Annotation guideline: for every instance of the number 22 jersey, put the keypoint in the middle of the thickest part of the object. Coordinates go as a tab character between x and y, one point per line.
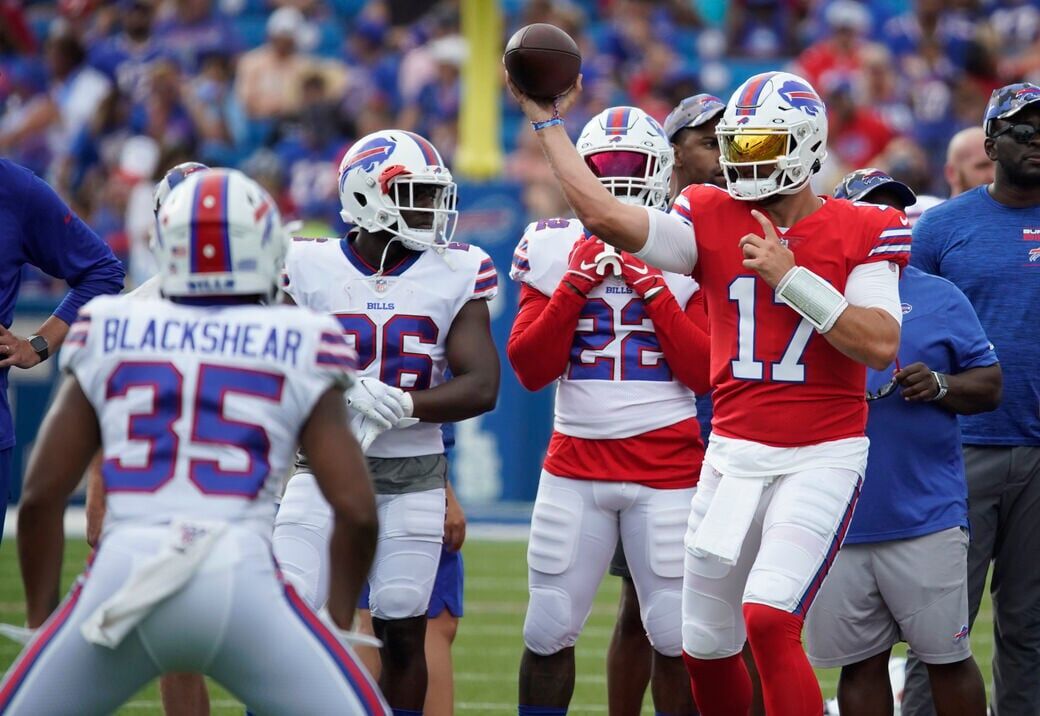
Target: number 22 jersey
397	321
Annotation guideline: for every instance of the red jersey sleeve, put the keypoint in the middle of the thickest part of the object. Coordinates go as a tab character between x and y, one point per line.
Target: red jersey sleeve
887	236
683	335
543	330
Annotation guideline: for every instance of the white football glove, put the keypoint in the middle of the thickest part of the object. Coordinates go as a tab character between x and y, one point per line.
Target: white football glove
384	404
367	429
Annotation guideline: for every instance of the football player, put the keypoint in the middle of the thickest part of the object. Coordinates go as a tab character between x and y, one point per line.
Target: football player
801	294
414	305
181	693
626	344
198	403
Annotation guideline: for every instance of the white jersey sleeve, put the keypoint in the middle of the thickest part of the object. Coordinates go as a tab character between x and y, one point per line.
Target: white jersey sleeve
541	256
670	243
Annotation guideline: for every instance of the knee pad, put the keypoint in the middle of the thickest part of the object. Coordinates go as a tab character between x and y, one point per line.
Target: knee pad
549	625
712	628
702	642
398	599
662	617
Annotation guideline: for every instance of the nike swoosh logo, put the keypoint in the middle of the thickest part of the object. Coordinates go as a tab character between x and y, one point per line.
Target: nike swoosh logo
586	266
643	270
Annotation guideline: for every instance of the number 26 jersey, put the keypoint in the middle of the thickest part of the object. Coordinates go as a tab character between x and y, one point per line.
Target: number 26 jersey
397	321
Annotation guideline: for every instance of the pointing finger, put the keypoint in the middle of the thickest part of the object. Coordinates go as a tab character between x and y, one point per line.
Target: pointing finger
765	223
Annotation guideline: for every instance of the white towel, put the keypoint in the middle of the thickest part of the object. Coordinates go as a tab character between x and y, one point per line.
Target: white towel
188	544
722	531
20	635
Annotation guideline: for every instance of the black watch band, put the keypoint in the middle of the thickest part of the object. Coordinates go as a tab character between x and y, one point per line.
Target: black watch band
39	344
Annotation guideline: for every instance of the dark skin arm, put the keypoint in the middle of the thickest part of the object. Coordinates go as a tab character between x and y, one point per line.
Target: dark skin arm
339	467
58	461
473	388
976	390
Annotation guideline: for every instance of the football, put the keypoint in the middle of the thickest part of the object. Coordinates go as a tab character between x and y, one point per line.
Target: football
543	61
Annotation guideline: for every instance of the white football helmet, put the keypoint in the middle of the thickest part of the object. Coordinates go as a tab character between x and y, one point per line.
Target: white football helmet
219	234
385	175
772	136
628	151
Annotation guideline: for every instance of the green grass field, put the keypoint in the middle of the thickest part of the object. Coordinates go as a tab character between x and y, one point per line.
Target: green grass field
487	650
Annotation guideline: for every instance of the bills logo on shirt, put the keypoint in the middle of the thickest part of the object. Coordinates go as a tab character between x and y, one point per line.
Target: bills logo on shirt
1034	255
1031	234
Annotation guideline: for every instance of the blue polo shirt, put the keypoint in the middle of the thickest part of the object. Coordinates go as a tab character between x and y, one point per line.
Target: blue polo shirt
915	471
36	227
992	253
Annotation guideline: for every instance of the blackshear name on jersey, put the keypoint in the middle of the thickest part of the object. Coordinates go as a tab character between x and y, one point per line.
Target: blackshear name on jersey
617	382
200	408
397	320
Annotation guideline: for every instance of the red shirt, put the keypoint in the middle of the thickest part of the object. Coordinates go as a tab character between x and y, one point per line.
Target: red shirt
777	381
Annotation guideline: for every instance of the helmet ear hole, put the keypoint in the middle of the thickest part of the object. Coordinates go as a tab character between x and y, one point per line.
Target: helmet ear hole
360	198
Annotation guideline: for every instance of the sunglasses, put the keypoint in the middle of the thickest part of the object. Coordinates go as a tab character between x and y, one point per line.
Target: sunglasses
1021	133
887	389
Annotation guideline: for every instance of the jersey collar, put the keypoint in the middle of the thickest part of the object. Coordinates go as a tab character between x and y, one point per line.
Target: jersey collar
355	258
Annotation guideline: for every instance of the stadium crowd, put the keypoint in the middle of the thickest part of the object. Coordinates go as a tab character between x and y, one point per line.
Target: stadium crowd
101	98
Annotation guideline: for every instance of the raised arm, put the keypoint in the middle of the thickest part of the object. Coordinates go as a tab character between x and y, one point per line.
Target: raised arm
620	225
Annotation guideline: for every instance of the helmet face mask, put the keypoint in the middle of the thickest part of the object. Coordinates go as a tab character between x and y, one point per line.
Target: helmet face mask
772	136
628	152
382	188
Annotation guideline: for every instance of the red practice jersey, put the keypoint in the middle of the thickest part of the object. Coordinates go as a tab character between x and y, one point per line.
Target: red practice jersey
777	381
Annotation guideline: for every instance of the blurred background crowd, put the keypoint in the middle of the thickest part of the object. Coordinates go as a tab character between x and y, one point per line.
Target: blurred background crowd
100	98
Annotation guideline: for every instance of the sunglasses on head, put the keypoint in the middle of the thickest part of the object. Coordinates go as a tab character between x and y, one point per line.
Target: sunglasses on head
1021	133
887	389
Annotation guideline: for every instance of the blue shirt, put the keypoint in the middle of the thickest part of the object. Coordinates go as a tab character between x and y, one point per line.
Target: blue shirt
992	253
915	471
36	227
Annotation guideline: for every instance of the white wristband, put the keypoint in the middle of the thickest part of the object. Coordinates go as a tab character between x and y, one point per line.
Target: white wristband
811	297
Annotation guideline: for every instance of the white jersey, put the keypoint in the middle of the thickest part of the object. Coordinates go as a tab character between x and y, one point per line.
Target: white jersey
397	321
617	383
200	407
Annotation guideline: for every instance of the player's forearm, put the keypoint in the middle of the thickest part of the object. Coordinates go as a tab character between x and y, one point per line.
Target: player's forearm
351	550
977	390
685	345
540	342
464	396
618	224
54	331
867	335
41	542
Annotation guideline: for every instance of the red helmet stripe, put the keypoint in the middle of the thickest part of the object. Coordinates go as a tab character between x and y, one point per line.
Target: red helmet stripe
749	97
210	242
428	152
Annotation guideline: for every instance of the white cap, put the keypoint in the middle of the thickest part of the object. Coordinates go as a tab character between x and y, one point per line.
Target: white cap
848	13
286	21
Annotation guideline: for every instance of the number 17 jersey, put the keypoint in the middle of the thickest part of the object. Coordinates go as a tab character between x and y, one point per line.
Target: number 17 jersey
777	381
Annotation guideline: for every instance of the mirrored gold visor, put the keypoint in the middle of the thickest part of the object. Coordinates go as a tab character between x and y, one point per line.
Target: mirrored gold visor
756	145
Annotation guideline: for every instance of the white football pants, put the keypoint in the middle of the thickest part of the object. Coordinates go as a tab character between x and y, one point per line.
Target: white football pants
234	620
797	530
411	530
574	531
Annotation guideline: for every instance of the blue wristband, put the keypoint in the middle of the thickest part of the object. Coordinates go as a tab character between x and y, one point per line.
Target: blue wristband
538	126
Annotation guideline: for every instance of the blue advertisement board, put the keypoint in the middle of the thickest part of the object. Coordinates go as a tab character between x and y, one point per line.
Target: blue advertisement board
498	456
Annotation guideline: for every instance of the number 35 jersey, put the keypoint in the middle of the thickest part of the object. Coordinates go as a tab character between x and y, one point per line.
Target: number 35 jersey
617	383
397	321
201	408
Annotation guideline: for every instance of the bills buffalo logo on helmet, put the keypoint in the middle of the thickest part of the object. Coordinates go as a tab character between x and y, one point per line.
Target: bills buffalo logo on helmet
801	96
1027	93
371	154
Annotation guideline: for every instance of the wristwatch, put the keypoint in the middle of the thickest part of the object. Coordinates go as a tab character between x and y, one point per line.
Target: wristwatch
39	344
944	387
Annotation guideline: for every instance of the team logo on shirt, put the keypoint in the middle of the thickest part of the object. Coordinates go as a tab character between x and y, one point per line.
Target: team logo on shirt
1034	255
1031	234
906	308
962	634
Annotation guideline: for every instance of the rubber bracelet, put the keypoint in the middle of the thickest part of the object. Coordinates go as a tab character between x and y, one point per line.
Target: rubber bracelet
552	122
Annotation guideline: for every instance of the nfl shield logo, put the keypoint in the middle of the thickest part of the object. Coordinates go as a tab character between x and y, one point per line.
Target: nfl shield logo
381	284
